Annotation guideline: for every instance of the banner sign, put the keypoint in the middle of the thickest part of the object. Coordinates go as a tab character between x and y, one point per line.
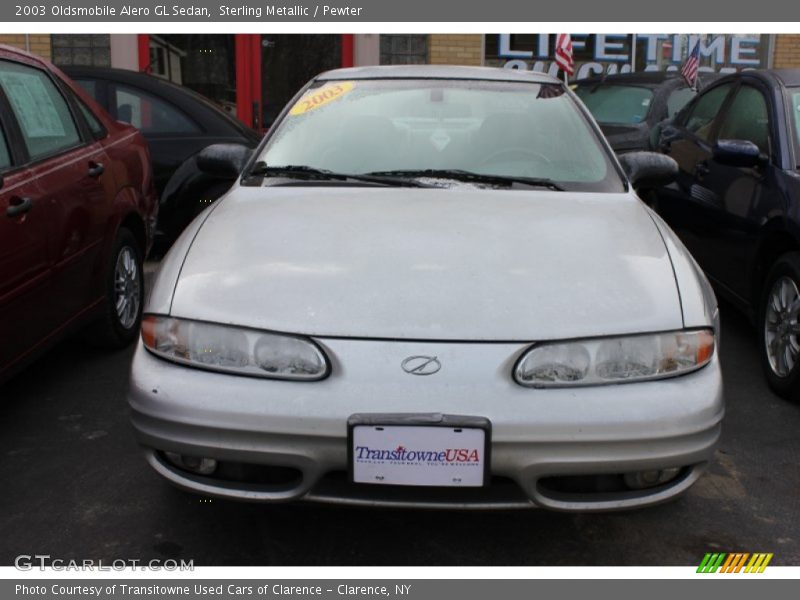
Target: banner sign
212	11
596	54
728	587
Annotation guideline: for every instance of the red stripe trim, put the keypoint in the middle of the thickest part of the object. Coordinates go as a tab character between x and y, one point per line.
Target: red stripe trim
143	41
348	50
248	78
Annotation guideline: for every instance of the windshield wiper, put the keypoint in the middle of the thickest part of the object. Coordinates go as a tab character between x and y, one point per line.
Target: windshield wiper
469	176
262	169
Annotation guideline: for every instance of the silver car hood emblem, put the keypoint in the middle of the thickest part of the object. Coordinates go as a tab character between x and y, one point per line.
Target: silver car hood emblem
421	365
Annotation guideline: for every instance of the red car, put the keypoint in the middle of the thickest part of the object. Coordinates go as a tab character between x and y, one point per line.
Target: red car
77	214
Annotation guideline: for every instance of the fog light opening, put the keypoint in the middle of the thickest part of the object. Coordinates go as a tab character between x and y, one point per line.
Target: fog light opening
646	479
194	464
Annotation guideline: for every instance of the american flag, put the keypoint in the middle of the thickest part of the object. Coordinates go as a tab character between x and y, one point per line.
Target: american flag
690	67
564	58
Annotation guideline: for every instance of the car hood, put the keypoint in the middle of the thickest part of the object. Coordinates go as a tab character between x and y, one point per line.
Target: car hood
445	264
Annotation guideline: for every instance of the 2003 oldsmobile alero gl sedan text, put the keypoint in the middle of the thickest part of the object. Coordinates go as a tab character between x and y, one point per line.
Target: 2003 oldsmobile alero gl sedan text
432	287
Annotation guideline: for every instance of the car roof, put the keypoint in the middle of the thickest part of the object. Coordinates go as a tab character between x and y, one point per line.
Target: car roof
173	92
437	72
143	80
648	78
772	77
788	77
18	55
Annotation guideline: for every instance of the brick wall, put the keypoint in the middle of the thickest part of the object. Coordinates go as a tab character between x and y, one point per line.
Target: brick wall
787	51
37	43
455	49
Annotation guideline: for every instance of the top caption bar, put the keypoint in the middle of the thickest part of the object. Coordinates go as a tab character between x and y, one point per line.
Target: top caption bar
401	11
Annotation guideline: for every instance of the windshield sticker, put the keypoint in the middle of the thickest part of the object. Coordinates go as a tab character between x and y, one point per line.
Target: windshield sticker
440	139
34	108
321	96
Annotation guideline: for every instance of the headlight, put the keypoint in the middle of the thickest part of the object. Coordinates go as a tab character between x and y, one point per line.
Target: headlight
234	349
615	359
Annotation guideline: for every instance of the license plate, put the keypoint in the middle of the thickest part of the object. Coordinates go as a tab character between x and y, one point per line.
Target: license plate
419	455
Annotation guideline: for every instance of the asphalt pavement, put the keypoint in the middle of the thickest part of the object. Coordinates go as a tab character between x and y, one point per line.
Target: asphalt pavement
76	487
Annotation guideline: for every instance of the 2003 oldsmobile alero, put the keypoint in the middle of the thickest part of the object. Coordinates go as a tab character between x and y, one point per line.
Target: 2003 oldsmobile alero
431	287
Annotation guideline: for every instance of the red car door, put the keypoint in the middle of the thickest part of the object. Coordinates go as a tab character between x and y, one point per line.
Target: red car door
65	193
80	189
24	259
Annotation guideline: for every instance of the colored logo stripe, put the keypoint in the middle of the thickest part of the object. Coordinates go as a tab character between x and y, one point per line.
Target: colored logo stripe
734	562
758	563
711	562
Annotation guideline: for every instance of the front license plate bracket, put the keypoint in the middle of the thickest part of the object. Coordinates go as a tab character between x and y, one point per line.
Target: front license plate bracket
419	449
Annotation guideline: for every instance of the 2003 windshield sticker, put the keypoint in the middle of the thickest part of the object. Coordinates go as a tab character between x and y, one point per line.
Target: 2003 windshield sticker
321	96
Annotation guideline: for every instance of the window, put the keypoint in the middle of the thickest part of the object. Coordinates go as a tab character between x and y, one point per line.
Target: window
150	114
43	115
678	99
89	86
794	98
747	119
95	126
622	104
702	114
81	50
404	49
5	155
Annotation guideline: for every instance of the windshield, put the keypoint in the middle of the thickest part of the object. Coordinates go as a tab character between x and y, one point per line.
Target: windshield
391	126
616	104
794	96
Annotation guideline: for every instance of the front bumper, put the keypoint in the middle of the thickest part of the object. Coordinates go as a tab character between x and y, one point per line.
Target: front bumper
538	435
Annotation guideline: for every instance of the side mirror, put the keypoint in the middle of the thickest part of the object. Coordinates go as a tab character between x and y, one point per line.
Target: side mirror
663	134
648	169
224	161
738	153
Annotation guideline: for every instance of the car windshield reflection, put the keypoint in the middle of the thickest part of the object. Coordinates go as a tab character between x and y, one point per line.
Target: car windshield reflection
486	128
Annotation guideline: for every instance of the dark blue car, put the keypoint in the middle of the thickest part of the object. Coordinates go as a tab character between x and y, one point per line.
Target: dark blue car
736	204
630	106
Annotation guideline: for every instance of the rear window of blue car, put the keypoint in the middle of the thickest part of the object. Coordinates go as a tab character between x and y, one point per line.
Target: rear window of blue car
616	104
678	99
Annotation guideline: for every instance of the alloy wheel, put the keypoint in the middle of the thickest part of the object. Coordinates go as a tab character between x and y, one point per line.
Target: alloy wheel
781	327
126	287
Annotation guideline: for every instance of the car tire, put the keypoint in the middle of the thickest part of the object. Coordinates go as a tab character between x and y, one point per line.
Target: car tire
118	325
779	327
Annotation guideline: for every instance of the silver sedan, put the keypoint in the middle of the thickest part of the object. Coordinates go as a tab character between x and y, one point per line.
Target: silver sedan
431	287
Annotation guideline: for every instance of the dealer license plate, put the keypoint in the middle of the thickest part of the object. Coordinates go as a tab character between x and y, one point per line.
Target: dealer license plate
422	455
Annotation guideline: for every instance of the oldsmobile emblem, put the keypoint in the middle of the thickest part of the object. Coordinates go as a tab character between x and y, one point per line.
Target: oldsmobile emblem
421	365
